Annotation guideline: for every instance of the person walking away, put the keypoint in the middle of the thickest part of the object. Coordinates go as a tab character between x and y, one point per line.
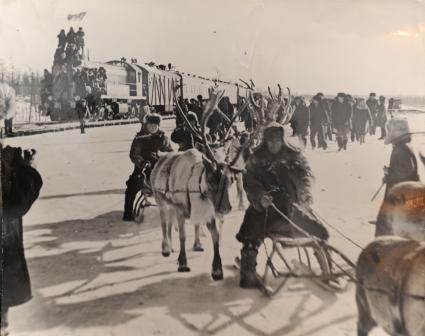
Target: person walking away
372	104
318	119
302	119
381	117
144	153
20	186
341	116
276	174
361	120
403	166
7	107
81	109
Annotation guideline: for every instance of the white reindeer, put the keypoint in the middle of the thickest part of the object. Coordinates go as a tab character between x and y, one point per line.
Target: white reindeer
191	185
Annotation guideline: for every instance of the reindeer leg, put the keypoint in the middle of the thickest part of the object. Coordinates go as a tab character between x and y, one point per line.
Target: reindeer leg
182	260
166	249
197	246
217	269
365	323
171	218
239	187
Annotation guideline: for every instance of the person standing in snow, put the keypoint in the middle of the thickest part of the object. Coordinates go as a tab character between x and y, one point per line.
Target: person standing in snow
341	117
403	166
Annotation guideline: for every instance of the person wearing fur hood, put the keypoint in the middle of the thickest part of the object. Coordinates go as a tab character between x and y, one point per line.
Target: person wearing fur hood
279	174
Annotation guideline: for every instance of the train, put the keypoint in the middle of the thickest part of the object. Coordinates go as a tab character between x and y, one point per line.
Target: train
128	86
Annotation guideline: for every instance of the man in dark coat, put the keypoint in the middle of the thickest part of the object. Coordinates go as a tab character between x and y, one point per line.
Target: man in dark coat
71	37
403	166
80	40
381	117
183	136
20	184
276	173
341	117
81	109
326	106
372	104
62	39
144	154
318	119
301	118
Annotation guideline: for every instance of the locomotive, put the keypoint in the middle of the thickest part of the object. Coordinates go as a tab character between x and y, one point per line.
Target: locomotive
127	86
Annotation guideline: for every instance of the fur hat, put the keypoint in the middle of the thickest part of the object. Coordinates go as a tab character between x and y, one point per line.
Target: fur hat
381	98
397	129
153	118
340	94
273	130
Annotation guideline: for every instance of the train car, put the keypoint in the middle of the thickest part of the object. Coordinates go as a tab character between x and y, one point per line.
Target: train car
195	85
118	89
159	85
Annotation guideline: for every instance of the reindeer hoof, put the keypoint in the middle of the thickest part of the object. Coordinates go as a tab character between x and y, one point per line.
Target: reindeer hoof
165	253
217	275
197	248
184	268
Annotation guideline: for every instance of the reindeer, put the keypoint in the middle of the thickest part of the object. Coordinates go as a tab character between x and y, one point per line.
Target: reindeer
390	291
195	186
404	211
391	270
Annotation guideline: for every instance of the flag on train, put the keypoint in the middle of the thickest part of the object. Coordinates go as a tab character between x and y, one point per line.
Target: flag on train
76	17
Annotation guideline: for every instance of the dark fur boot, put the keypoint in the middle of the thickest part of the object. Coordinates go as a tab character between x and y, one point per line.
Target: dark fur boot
248	273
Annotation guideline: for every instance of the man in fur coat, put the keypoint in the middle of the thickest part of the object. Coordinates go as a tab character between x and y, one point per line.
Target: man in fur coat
276	173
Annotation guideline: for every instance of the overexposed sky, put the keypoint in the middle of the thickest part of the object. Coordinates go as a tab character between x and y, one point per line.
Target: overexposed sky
354	46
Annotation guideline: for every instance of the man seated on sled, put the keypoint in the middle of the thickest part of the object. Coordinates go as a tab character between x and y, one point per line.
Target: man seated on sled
144	154
276	173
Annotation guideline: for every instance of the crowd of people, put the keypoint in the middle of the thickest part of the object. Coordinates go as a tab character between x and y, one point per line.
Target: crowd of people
70	50
344	116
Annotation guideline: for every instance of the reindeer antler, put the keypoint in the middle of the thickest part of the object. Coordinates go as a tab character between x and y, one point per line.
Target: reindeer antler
184	117
210	108
271	94
288	111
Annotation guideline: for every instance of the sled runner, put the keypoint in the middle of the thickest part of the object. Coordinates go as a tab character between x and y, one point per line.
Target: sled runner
142	200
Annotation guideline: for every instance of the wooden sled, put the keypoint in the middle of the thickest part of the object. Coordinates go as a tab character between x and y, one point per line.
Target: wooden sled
314	259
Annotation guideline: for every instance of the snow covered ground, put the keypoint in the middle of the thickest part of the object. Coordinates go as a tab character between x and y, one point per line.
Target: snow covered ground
93	274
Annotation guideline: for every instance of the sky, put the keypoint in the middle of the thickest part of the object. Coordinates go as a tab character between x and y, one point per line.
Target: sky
354	46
